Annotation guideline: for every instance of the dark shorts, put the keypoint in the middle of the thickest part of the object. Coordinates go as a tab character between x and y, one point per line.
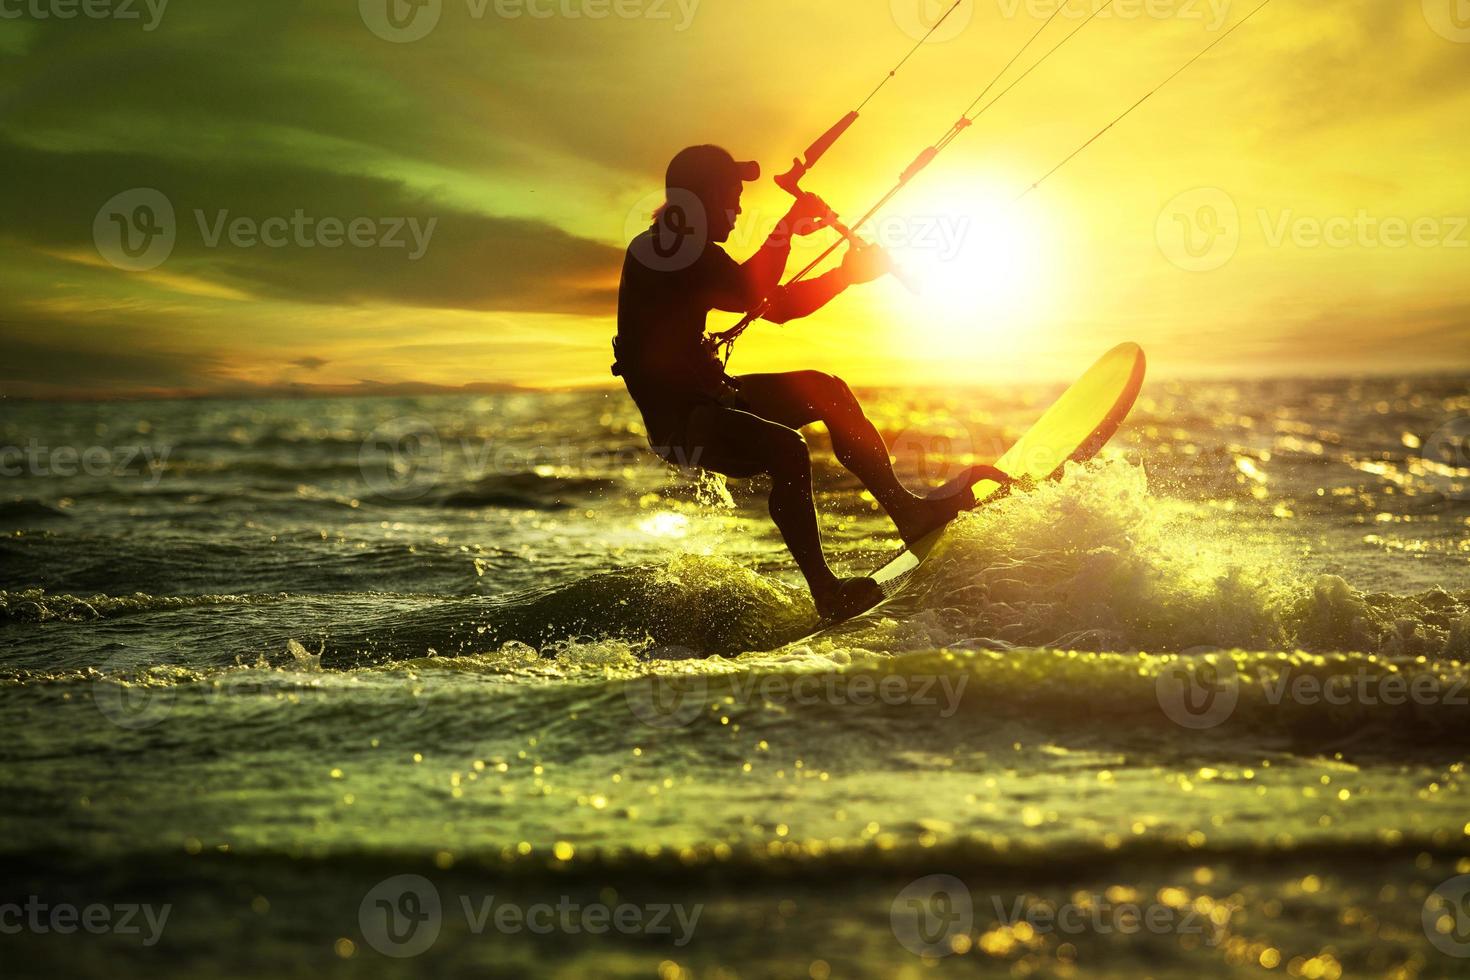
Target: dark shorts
735	446
666	417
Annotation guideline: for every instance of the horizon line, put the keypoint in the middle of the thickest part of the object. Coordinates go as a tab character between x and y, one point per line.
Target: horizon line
424	389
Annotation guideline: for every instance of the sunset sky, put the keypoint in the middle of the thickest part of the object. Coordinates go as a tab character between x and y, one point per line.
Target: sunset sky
1294	203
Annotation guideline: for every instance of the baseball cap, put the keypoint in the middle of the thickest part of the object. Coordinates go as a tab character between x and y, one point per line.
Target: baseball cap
697	167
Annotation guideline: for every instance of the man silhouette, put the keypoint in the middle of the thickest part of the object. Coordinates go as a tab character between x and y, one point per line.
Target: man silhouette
674	274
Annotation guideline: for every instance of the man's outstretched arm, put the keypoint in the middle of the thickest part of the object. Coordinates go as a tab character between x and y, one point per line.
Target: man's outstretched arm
761	273
804	298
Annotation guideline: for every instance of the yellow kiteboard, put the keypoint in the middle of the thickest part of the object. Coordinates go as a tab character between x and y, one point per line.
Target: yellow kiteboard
1076	426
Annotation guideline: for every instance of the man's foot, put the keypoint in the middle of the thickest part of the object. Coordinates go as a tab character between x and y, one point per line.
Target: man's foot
927	515
942	505
849	597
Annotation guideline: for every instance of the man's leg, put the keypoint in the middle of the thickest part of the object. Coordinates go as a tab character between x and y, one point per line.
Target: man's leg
799	398
740	444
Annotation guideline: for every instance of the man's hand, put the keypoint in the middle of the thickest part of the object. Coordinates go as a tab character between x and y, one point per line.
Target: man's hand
809	214
865	263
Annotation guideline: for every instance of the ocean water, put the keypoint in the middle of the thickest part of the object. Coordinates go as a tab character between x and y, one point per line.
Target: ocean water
338	682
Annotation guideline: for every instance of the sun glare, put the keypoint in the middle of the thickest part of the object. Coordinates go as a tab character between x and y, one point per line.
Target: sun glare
977	259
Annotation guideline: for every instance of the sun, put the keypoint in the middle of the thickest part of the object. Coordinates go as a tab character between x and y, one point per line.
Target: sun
976	258
981	255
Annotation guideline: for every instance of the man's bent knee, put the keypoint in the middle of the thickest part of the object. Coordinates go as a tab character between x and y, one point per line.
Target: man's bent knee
837	397
789	452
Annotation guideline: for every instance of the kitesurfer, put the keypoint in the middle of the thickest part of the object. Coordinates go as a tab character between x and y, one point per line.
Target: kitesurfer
674	274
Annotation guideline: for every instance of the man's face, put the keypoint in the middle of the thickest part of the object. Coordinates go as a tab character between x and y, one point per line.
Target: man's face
724	208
